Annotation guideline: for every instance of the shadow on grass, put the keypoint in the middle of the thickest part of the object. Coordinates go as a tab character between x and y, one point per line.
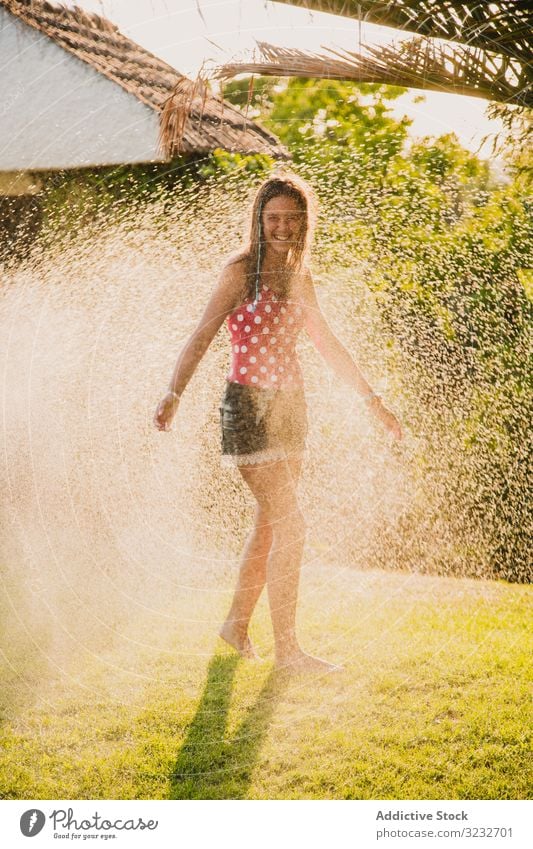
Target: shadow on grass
210	766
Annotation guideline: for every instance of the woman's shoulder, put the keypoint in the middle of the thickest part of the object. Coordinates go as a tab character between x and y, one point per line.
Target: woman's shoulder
234	277
236	263
306	274
302	282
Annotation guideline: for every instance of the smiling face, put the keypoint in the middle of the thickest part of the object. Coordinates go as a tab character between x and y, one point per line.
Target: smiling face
282	221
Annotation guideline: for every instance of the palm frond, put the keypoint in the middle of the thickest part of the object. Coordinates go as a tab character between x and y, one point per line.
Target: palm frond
415	63
501	26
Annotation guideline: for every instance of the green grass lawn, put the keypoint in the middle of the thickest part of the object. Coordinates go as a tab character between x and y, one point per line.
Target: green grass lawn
434	703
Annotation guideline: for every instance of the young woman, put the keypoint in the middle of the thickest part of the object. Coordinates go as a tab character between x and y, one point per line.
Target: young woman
267	296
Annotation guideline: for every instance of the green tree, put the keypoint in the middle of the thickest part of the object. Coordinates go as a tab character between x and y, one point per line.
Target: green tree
328	123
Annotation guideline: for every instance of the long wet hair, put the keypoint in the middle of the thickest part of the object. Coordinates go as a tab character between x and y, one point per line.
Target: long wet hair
290	186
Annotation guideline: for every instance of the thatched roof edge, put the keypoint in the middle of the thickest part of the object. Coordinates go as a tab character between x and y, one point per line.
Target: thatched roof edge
99	43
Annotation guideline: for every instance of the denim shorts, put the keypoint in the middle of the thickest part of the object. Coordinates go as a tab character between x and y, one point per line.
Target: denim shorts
261	425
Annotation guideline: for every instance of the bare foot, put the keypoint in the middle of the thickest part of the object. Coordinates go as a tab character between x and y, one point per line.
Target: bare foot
302	662
241	643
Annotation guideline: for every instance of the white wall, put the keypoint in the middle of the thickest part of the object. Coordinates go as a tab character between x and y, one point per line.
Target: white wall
57	112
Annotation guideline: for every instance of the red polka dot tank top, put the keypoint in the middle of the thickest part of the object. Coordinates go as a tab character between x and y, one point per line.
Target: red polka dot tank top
263	342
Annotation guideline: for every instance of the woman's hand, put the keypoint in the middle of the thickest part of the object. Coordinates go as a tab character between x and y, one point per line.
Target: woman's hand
387	418
166	410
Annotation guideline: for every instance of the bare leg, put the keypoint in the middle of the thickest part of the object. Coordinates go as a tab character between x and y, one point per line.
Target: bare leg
275	491
252	576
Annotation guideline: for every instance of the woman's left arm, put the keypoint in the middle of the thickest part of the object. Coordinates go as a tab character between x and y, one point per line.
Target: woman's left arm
339	359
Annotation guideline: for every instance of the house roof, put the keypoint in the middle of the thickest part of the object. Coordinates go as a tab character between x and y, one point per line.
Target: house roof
212	123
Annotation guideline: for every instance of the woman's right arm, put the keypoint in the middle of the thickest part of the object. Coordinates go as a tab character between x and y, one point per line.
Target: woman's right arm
224	299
